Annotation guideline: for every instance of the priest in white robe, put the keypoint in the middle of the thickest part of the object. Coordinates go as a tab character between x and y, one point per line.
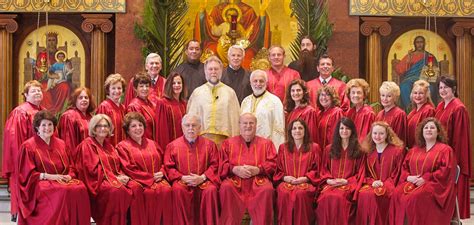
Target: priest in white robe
216	104
267	107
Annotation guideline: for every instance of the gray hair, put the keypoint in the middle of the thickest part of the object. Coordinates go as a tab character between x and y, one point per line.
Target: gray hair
259	72
188	116
247	114
95	120
213	59
238	47
151	56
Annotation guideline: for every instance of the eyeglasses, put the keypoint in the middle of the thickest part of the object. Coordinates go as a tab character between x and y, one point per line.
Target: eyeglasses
102	126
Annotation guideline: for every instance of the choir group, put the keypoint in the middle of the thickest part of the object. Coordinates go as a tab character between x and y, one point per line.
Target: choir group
311	152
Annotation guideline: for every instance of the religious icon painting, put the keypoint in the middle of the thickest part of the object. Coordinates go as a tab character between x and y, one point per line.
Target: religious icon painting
418	54
54	56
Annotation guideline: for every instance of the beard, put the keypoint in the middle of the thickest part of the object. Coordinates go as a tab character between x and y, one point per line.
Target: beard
307	62
258	92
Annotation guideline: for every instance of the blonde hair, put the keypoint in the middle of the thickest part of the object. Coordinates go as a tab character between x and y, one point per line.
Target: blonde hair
368	144
390	87
95	120
358	82
28	85
425	86
113	79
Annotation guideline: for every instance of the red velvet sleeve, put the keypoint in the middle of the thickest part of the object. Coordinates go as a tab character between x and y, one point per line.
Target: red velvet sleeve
280	164
313	172
162	120
69	133
326	166
405	169
397	161
130	167
213	165
225	168
129	93
441	181
311	119
459	137
399	125
28	178
170	163
269	165
89	168
17	130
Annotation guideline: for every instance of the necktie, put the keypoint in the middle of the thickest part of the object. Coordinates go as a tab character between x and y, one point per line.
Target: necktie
324	82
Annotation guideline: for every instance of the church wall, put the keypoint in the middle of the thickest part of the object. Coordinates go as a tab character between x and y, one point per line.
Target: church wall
128	56
344	44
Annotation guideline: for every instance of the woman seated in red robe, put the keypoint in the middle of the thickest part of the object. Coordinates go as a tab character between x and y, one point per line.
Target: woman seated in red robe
114	87
298	106
143	105
454	117
329	115
298	169
425	194
48	190
73	124
362	114
142	161
98	164
379	174
339	175
391	113
422	107
170	109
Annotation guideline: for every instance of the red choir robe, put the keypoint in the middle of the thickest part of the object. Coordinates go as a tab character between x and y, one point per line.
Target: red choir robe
140	163
73	128
46	201
433	202
254	194
156	91
18	128
278	81
147	109
363	119
116	113
328	120
455	120
309	115
373	203
334	204
414	118
295	202
340	87
397	119
169	113
98	167
193	205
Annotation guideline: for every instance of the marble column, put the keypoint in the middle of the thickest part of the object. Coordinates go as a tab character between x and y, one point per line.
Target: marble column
98	25
8	26
463	30
374	28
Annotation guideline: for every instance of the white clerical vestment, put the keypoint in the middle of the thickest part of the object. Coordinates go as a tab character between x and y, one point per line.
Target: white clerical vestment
218	107
270	116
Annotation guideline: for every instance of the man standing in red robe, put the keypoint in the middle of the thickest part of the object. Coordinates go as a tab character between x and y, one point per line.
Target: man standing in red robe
247	164
279	75
153	68
325	69
18	128
191	162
